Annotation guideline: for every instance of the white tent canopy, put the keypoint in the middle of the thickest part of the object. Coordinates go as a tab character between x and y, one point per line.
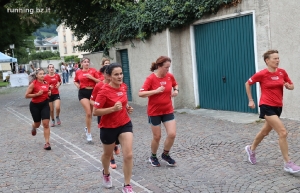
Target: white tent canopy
5	58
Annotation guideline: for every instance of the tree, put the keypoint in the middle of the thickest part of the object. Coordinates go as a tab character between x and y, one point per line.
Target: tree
17	27
108	22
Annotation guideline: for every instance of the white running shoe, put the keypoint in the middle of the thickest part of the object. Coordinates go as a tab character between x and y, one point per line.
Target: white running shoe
89	137
107	182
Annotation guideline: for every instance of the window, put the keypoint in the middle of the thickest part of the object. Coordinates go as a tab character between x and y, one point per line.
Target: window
73	38
54	48
64	38
74	49
65	50
44	48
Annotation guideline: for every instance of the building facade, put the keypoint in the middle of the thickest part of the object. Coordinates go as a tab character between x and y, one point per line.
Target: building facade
68	42
214	57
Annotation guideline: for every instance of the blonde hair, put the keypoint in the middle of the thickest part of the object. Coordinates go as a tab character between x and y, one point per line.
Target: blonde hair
104	60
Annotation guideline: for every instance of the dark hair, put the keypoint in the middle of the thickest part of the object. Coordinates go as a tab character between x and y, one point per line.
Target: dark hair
111	67
103	69
268	53
159	62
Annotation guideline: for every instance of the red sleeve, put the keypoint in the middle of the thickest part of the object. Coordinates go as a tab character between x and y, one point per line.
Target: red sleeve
96	90
100	100
286	77
255	78
76	76
58	78
96	74
174	83
147	84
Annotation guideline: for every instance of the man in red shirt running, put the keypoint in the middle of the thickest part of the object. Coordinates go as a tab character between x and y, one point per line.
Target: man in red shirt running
272	80
160	87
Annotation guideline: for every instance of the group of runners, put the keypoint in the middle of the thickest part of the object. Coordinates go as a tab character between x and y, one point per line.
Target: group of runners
103	94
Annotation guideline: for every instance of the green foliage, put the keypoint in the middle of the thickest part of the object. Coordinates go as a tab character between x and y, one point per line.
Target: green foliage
17	27
47	55
72	59
107	22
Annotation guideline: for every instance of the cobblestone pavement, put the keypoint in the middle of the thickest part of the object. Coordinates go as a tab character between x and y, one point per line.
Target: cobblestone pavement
209	153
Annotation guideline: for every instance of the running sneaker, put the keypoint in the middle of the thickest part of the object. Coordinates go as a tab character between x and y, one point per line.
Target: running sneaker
251	155
291	167
113	164
47	146
52	123
88	136
117	150
154	161
107	182
127	189
33	131
168	159
85	129
58	121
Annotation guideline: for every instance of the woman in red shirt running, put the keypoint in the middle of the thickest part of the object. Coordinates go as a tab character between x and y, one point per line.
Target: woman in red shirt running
96	90
160	87
115	125
104	62
85	80
272	80
54	81
39	91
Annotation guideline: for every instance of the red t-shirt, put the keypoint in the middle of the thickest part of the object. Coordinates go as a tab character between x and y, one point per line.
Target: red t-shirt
161	103
96	89
37	87
101	76
83	80
271	84
52	81
107	97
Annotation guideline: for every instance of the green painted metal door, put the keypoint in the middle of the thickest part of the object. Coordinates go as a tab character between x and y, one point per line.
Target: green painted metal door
225	61
125	67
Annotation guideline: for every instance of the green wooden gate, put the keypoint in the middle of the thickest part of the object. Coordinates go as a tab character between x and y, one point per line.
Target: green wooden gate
125	67
225	61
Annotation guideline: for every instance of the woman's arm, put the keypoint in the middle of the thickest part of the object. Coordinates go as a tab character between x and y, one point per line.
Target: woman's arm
249	94
145	94
105	111
29	93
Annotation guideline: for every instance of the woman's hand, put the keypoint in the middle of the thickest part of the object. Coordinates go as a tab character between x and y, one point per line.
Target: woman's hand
160	89
39	93
251	104
175	93
288	86
129	109
118	106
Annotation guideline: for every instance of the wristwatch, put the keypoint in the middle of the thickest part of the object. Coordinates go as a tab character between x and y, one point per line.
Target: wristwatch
176	89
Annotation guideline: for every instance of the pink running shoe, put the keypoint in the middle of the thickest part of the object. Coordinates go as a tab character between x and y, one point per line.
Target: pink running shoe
291	167
251	155
127	189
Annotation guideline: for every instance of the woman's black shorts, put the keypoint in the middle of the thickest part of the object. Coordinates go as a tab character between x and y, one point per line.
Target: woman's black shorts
54	97
266	110
40	111
84	93
111	135
156	120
